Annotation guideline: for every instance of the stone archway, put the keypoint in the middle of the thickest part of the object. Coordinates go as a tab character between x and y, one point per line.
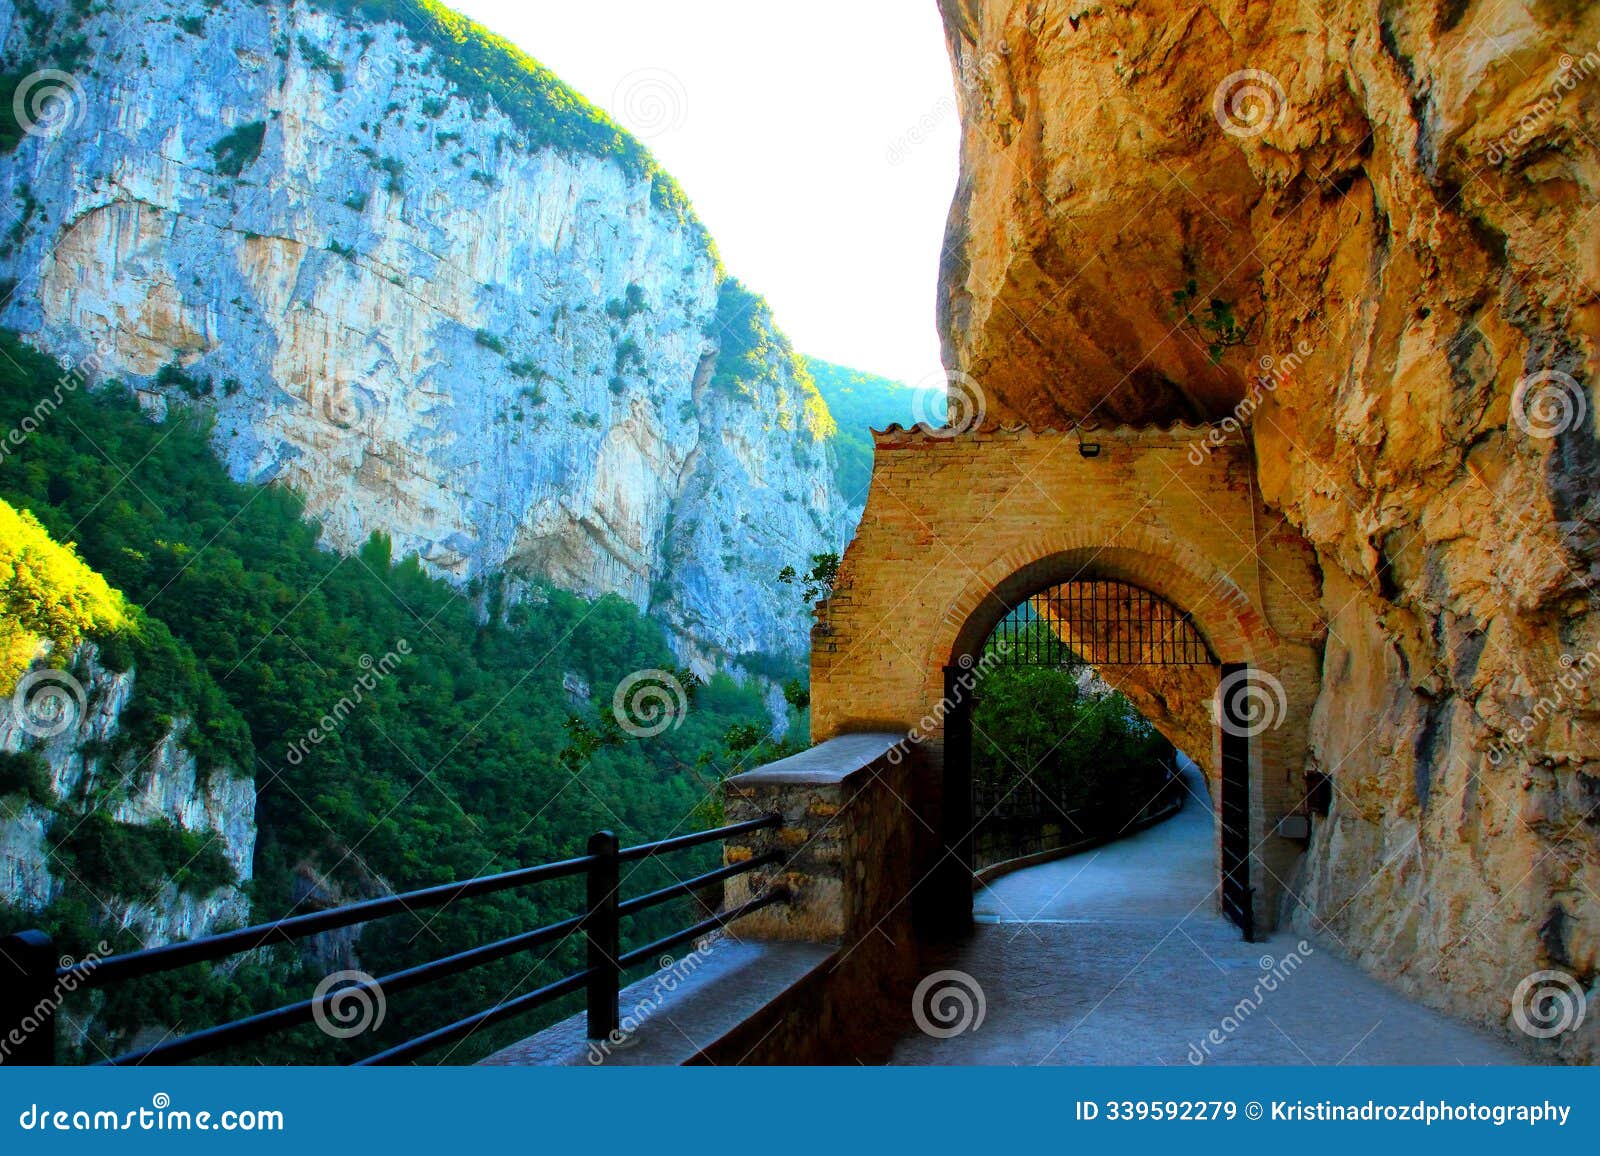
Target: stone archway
959	528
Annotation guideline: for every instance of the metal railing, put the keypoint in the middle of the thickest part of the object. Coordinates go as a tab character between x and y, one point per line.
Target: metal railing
1019	821
35	980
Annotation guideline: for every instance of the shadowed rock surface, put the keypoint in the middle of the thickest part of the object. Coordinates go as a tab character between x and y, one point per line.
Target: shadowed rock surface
1373	228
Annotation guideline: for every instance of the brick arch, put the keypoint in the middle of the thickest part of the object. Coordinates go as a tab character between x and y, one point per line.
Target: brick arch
960	529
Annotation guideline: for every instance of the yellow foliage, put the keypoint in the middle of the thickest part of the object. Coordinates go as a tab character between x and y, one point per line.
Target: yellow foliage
47	593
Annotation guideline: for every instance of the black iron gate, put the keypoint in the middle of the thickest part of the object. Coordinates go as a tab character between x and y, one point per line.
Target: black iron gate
1086	624
1096	623
1237	893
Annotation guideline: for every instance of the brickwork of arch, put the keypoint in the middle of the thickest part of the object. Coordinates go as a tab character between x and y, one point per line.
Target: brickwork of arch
960	529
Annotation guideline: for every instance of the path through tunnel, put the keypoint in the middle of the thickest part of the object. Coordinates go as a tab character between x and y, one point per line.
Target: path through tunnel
1047	752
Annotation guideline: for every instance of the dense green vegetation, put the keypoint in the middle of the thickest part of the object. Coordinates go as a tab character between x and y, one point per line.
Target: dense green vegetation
238	149
860	402
141	859
46	592
470	755
751	345
815	583
1076	745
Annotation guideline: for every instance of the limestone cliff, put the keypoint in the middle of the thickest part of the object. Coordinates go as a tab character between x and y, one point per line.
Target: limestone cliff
69	723
492	336
1364	234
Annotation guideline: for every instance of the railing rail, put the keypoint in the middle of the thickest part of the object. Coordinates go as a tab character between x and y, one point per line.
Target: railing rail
33	990
1015	822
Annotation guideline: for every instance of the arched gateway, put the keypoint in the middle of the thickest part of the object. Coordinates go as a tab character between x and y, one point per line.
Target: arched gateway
962	530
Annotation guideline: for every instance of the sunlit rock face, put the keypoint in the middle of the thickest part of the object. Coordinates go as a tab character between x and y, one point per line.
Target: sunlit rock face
1392	207
499	354
162	784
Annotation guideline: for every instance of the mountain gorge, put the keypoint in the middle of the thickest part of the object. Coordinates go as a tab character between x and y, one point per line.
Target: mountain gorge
405	402
427	286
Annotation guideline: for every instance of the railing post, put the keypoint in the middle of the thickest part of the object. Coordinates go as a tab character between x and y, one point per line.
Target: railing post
604	939
28	1007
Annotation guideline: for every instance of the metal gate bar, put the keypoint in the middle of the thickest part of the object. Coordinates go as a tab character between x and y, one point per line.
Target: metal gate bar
1097	623
1237	894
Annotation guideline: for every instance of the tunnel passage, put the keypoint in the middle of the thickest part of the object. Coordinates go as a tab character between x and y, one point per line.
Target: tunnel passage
961	530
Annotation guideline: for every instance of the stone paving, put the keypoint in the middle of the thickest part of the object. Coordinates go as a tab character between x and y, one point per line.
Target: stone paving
1118	956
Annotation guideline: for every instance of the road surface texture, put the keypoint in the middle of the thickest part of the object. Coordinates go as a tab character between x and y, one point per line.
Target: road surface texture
1118	956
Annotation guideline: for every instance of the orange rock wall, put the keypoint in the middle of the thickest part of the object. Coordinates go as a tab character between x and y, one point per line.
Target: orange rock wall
1366	234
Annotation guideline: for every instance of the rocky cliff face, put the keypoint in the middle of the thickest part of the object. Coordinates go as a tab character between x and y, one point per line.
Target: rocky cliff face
398	302
71	720
1365	236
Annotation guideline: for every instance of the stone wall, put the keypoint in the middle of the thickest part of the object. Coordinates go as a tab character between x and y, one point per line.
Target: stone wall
846	842
960	529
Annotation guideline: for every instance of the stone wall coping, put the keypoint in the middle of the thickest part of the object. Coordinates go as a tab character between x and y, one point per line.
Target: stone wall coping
729	983
826	763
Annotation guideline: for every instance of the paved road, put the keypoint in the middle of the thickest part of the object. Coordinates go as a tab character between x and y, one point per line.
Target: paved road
1117	956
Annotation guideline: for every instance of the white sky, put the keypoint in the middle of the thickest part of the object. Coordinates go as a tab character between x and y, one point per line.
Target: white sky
817	140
